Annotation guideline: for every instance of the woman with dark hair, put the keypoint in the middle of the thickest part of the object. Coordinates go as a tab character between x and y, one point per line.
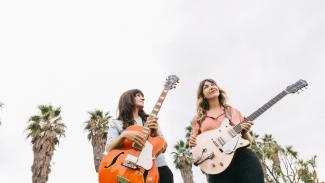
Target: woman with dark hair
212	109
130	112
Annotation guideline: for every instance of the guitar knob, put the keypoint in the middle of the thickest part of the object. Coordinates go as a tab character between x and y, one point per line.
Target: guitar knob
149	179
213	165
221	164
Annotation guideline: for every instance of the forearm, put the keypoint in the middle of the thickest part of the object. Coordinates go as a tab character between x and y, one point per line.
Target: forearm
115	143
247	136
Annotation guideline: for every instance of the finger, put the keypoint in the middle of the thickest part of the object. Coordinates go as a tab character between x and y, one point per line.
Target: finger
153	126
140	136
192	144
153	121
141	141
155	118
136	140
245	126
151	116
138	143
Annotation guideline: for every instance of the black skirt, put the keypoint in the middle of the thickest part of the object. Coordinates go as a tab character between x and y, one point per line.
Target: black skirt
244	168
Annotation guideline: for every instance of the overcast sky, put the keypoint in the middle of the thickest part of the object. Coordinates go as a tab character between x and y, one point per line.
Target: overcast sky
81	55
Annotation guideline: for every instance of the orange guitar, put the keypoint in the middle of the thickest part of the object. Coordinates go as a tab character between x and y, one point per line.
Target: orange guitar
129	164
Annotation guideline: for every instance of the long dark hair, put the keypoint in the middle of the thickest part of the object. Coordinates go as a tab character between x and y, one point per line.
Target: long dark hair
126	106
202	104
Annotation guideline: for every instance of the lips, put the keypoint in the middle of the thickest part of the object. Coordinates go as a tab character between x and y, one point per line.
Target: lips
213	91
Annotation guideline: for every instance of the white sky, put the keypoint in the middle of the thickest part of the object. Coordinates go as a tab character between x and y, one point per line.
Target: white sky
82	55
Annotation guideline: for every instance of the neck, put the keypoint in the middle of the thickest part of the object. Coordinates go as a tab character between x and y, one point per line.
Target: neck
214	103
136	112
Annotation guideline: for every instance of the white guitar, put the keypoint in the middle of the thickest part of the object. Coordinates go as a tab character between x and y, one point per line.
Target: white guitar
215	148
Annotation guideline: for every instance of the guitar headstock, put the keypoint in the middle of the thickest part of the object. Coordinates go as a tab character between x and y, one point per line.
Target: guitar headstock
171	82
296	86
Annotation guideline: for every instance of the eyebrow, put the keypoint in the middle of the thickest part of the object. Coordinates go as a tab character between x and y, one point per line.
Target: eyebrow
139	94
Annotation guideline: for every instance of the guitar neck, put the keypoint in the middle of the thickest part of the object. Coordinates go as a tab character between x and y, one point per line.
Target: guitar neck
159	102
261	110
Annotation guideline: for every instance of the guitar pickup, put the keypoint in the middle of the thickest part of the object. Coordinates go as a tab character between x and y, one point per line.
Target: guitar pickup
215	143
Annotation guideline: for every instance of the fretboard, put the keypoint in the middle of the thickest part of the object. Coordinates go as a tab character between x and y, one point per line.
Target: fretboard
159	102
261	110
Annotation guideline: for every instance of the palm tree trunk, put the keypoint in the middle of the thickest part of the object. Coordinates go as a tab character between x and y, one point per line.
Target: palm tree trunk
98	143
187	174
43	152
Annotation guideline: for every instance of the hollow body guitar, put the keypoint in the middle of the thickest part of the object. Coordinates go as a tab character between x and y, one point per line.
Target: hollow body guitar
215	148
131	164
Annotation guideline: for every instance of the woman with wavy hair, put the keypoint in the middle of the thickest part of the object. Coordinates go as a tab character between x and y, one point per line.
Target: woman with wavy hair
212	109
130	112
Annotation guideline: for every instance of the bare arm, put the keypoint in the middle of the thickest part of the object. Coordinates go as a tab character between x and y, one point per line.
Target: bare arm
247	136
133	136
116	143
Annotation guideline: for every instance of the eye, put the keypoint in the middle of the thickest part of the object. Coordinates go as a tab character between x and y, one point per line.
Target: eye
139	95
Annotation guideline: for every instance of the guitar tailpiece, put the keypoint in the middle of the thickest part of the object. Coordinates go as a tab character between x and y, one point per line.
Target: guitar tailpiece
130	165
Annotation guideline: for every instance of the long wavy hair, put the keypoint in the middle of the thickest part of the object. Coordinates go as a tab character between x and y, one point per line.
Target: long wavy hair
202	104
126	106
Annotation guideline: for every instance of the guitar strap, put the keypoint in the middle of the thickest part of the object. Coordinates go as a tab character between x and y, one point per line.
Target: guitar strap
228	113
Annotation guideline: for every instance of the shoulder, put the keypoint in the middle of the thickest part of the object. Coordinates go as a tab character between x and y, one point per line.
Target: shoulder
115	123
194	120
235	113
235	110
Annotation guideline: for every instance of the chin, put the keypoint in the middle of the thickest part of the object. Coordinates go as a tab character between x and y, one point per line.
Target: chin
213	96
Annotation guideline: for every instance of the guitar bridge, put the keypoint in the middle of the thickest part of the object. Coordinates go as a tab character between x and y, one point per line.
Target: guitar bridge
130	162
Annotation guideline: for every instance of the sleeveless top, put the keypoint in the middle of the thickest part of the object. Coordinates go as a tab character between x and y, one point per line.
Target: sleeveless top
211	123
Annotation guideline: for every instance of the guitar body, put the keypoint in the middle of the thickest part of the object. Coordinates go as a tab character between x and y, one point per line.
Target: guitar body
112	170
216	148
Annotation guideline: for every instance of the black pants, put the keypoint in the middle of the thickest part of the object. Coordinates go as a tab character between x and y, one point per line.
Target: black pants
244	168
165	174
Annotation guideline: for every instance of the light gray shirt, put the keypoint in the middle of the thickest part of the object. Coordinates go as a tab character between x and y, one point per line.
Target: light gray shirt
116	128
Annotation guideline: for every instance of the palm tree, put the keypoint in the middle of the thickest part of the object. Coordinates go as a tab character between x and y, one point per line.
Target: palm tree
45	131
188	133
97	127
183	161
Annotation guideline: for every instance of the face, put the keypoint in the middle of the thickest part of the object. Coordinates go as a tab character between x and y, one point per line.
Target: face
139	100
210	90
